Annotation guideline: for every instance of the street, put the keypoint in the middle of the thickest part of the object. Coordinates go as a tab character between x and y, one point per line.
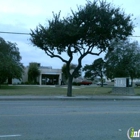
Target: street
68	120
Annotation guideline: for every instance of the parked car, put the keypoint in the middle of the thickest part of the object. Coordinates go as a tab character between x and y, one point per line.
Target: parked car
85	82
137	84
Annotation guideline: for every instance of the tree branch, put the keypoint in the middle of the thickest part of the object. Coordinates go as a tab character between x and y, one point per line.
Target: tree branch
70	54
51	54
76	49
79	63
79	47
95	53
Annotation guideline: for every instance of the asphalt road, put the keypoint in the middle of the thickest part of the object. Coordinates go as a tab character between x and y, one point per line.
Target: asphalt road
68	120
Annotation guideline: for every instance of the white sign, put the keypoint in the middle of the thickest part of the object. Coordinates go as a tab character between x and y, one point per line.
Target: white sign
120	82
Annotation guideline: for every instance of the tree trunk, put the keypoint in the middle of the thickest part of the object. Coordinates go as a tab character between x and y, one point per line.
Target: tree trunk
102	80
102	83
69	89
132	82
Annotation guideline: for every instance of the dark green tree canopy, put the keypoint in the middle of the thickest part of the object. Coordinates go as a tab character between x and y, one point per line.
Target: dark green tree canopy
10	65
33	73
124	60
91	27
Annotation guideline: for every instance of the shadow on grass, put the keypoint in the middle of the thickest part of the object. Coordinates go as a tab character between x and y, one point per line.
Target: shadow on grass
56	91
31	90
7	87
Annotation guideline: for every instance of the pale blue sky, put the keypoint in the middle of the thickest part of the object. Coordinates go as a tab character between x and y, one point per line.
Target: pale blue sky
23	15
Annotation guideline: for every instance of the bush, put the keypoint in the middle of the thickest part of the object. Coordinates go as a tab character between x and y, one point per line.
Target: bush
26	83
76	84
5	84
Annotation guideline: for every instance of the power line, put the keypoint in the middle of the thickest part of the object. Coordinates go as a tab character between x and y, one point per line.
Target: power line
14	33
29	33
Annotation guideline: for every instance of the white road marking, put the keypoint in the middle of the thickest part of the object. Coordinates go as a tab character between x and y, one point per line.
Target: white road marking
6	136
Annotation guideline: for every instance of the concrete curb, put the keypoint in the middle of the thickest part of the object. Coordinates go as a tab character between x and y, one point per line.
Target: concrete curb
34	98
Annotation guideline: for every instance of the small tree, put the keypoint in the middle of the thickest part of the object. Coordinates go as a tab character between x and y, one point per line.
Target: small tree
33	73
10	65
87	31
97	68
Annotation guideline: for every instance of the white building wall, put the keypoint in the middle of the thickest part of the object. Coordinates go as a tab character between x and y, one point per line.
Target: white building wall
46	70
43	70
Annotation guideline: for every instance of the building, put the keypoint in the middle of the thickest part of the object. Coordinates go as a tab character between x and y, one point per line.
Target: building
48	75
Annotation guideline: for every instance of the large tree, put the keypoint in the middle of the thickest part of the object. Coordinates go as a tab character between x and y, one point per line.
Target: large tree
10	65
124	60
33	73
97	68
87	31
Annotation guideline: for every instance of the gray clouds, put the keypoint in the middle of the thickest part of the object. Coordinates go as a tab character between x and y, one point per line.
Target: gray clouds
23	15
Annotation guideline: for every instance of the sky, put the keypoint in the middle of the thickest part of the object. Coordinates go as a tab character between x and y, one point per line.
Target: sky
23	15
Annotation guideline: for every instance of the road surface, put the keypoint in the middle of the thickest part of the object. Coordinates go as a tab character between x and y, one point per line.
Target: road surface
68	120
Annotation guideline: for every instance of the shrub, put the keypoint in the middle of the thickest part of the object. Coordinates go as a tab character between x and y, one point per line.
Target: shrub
76	84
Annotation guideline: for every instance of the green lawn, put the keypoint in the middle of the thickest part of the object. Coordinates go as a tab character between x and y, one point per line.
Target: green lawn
137	90
60	90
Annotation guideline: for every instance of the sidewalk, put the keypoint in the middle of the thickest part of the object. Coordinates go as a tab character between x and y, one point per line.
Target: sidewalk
112	97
